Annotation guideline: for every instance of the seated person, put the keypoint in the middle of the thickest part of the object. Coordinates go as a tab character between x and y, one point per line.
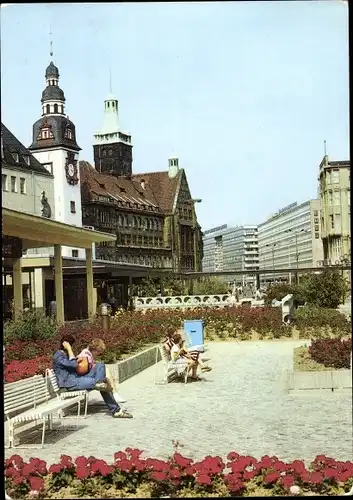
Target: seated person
194	353
180	355
65	365
96	348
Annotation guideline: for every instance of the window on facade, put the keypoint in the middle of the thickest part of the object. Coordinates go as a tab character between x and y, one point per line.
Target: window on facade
316	213
338	222
336	198
49	167
317	228
22	185
335	176
13	184
47	108
68	133
332	222
330	198
56	108
316	220
4	180
72	207
74	253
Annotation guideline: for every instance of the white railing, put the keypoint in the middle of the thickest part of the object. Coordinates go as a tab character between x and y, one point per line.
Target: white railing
220	300
184	301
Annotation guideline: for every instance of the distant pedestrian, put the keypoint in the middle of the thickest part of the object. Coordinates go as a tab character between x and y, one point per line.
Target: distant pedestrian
52	310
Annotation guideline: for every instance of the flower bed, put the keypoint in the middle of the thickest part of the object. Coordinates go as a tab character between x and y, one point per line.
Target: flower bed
132	331
130	475
323	355
332	353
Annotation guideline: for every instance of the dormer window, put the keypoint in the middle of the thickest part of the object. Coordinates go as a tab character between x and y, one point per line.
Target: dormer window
68	133
26	159
122	190
45	133
15	157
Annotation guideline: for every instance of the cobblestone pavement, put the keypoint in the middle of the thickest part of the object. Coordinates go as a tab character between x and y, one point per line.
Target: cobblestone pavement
240	406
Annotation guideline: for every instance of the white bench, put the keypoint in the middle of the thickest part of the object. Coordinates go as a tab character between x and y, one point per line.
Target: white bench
169	367
28	400
63	394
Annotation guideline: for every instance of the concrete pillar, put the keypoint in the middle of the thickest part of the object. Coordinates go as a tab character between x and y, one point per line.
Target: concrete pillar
89	283
59	288
17	288
38	289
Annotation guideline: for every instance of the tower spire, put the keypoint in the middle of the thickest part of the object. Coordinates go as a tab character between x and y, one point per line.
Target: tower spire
51	43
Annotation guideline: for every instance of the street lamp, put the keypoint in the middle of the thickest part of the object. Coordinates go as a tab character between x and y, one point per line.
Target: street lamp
296	233
193	201
272	245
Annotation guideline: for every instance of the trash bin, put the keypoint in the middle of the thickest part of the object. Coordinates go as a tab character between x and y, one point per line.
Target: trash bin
105	312
194	329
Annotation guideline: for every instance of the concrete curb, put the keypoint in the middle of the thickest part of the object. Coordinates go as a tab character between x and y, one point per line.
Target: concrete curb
127	368
332	380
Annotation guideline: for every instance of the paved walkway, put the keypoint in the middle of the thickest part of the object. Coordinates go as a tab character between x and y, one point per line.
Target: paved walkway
241	406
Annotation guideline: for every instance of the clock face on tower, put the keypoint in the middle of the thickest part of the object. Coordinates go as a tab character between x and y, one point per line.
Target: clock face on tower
71	169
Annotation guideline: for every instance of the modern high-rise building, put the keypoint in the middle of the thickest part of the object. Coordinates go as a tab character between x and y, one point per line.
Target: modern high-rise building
231	249
334	188
290	239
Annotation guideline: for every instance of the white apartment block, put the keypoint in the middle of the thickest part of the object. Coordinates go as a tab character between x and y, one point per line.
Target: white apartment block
334	188
231	249
290	239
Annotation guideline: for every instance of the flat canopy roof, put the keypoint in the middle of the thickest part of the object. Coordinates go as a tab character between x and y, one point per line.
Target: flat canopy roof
41	232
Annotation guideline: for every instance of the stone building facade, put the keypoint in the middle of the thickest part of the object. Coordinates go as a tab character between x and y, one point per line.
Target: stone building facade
153	214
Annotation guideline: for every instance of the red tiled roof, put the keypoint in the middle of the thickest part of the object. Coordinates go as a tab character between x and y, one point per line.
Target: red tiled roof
162	186
120	188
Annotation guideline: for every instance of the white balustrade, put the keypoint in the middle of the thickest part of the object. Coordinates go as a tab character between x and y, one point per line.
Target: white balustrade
185	301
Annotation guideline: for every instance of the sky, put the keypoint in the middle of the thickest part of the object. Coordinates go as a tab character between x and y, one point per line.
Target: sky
243	93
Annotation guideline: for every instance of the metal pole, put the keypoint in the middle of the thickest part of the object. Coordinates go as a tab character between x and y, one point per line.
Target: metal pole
194	226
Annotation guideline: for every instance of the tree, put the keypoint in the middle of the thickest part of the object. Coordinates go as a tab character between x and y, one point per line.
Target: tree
327	289
210	286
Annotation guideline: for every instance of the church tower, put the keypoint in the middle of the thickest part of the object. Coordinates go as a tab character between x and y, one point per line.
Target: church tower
112	148
54	145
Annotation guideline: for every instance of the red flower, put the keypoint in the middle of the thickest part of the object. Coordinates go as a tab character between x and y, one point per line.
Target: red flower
305	476
249	474
157	465
82	472
203	479
190	471
233	455
330	473
81	460
271	477
159	476
37	483
124	465
342	477
182	461
120	455
66	461
19	480
134	453
280	466
316	478
287	481
55	468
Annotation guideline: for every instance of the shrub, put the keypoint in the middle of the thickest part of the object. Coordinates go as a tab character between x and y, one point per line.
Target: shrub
326	289
210	286
32	325
316	317
333	353
280	290
131	475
